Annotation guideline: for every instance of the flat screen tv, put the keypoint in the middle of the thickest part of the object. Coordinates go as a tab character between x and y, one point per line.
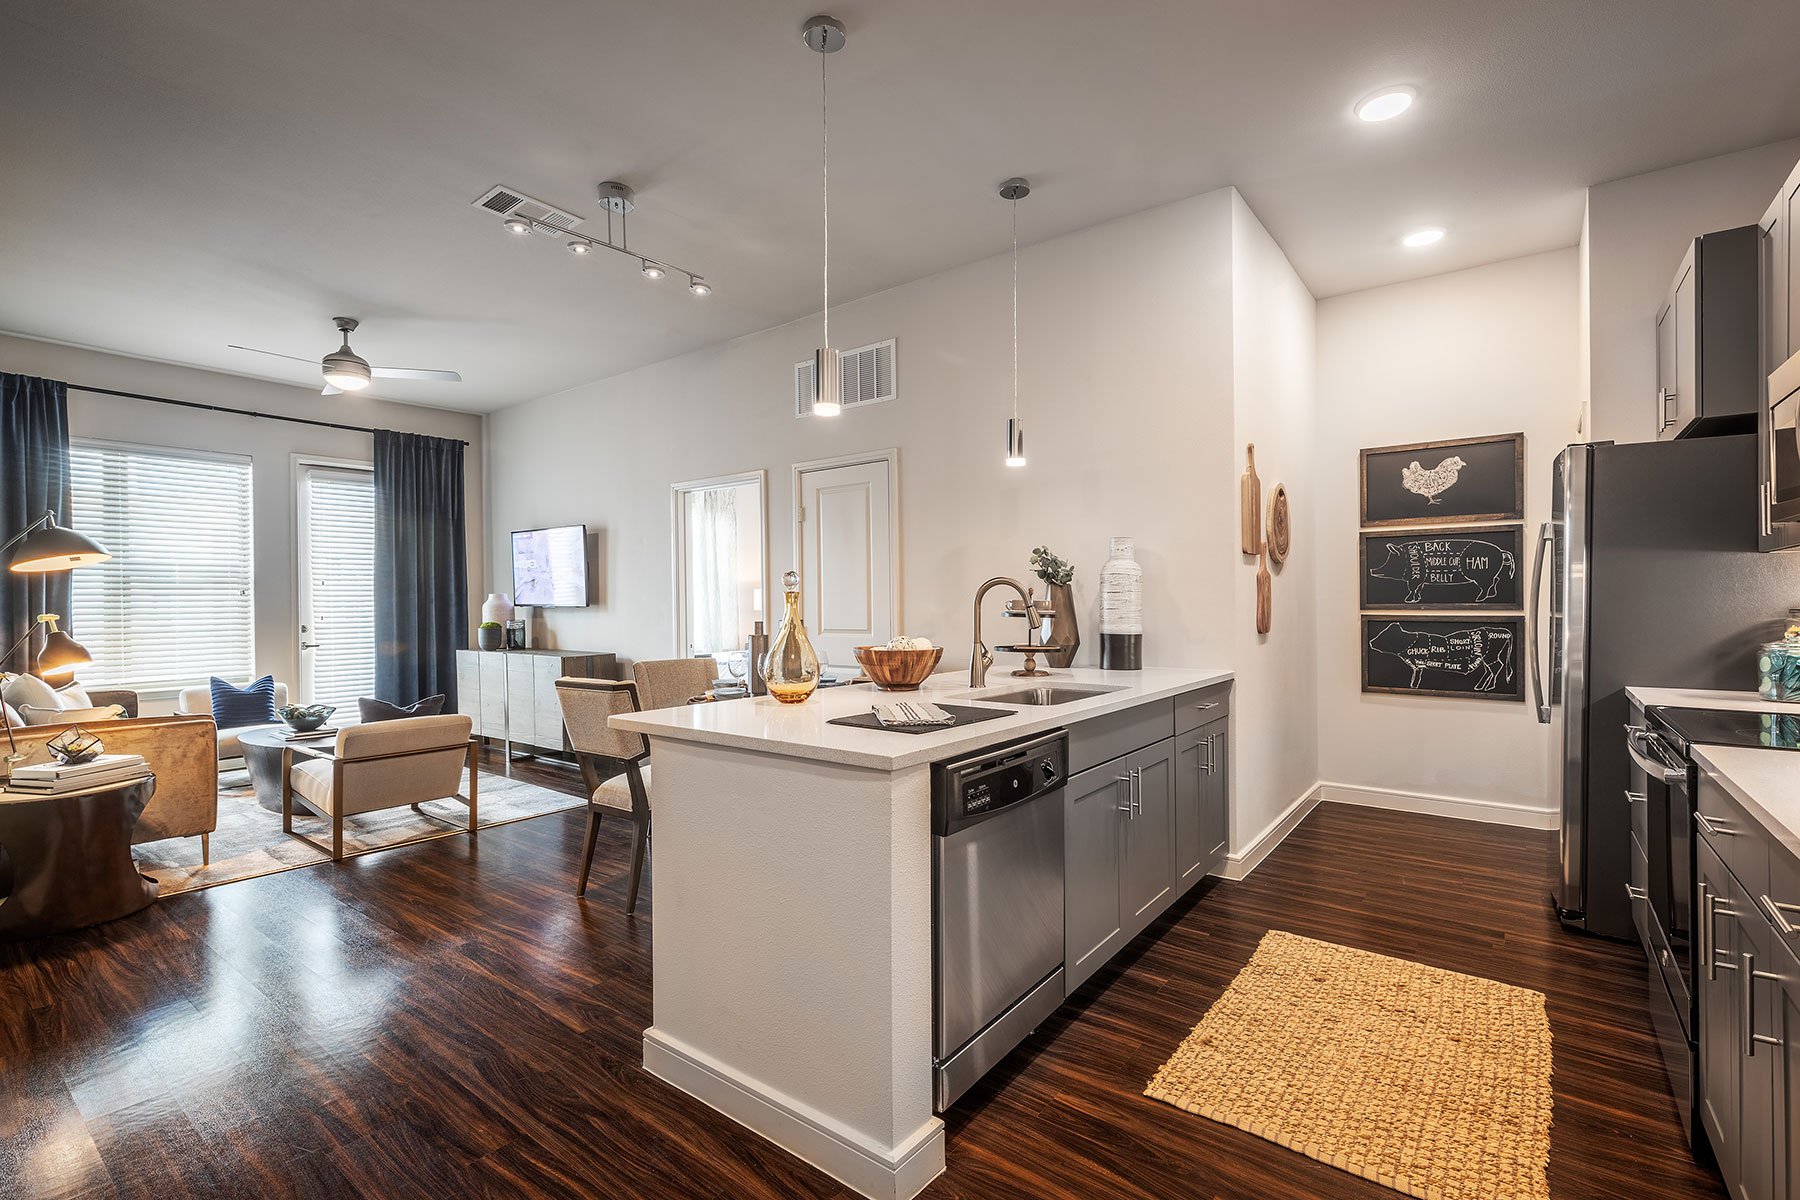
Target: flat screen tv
550	567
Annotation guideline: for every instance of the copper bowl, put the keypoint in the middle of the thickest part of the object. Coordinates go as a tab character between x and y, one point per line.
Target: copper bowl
898	670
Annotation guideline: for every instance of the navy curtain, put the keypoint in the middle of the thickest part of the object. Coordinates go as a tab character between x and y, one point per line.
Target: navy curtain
34	479
421	567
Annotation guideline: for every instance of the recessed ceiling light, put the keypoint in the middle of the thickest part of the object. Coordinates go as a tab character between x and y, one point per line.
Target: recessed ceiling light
1422	237
516	225
1386	104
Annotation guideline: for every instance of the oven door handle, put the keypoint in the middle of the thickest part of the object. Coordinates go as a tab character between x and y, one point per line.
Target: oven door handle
1533	617
1637	741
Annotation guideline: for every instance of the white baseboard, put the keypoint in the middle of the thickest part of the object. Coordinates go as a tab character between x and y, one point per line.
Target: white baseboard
1492	812
842	1153
1242	862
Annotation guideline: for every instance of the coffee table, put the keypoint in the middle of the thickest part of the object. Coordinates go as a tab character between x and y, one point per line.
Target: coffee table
71	859
263	753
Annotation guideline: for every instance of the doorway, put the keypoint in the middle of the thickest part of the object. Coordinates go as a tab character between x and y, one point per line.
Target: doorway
336	517
846	524
721	562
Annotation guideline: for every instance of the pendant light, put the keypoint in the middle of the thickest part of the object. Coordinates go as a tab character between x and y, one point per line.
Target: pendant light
825	35
1015	190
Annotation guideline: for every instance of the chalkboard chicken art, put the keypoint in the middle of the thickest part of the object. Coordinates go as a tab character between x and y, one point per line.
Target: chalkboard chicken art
1433	483
1484	653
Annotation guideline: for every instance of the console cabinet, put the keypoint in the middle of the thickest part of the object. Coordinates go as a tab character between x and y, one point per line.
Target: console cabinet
511	694
1145	818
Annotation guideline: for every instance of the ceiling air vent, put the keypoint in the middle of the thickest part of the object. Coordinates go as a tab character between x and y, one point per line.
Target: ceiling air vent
867	375
509	202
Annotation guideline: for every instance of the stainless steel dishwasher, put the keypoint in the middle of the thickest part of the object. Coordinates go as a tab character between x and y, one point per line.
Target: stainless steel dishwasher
997	905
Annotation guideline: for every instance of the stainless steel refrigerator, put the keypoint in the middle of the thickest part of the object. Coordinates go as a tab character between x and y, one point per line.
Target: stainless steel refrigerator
1646	574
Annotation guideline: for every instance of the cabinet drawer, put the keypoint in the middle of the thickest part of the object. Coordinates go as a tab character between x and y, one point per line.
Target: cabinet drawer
1196	708
1102	739
1739	842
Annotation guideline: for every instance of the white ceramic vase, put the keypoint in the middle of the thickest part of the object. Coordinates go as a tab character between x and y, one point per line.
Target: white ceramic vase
497	608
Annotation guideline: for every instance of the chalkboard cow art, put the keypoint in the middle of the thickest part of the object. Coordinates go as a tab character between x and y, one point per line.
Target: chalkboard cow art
1446	562
1441	478
1485	650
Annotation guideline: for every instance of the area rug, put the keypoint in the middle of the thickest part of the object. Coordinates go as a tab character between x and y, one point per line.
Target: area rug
1429	1082
249	841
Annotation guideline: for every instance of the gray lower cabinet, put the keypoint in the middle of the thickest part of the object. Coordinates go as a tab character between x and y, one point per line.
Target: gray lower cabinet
1202	772
1143	827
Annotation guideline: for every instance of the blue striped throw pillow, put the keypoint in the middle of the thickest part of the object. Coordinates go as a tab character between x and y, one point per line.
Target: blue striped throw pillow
234	707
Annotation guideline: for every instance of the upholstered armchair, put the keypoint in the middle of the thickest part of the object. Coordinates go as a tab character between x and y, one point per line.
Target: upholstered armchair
382	764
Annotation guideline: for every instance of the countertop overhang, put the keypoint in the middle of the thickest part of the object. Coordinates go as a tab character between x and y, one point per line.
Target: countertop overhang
764	725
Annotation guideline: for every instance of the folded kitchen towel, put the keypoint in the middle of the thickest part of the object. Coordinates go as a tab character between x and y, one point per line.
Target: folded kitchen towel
903	713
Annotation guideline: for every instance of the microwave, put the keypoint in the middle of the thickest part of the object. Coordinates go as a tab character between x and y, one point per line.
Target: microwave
1780	454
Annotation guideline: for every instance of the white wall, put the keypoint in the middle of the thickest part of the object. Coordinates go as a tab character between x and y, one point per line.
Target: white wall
1637	230
1275	736
1489	350
271	445
1125	361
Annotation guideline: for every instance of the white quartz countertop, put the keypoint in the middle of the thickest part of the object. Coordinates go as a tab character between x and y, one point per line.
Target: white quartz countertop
1765	782
1695	698
763	724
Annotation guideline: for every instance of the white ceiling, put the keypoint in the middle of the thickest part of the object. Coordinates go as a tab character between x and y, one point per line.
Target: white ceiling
179	176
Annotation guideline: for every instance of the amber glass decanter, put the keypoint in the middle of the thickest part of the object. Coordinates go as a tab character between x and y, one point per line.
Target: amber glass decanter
791	668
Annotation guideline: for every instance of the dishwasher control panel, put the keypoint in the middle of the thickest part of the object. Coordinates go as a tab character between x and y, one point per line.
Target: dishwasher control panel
971	789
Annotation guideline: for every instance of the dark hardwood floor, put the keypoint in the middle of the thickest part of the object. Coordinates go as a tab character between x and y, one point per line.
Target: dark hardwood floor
446	1020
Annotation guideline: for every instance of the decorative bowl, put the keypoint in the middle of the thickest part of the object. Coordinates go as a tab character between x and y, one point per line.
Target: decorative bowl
898	670
75	745
304	717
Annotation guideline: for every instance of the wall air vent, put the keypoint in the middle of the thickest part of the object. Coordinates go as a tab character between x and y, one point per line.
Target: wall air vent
867	374
510	202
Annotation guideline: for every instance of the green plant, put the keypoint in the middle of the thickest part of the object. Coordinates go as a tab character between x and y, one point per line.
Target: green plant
1051	569
490	624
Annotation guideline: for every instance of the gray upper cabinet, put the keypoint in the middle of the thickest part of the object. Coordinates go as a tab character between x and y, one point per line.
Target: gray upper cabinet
1777	420
1708	352
1790	258
1094	804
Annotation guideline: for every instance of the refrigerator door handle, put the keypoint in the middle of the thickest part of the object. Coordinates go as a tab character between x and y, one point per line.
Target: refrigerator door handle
1533	617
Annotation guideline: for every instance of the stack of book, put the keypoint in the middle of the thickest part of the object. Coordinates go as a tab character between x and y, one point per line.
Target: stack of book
310	735
53	778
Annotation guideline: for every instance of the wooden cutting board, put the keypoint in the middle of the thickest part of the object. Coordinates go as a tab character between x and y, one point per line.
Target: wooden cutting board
1265	595
1252	504
1280	525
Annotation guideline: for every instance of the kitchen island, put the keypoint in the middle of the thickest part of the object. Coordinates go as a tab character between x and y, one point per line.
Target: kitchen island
793	905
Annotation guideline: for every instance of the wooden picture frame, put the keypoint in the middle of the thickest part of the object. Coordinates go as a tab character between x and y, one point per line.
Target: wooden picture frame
1442	567
1470	656
1418	484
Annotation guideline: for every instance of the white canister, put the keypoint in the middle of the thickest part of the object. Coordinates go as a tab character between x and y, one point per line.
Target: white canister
1121	609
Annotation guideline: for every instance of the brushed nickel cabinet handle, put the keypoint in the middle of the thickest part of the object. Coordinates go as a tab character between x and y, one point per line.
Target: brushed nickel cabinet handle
1777	910
1710	829
1752	1039
1636	893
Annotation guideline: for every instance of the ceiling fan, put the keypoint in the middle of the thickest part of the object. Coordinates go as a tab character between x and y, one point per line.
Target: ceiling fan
346	371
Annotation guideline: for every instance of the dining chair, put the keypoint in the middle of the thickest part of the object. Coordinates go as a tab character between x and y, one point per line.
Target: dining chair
672	682
586	705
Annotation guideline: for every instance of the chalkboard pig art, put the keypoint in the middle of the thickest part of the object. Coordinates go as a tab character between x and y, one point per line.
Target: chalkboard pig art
1446	562
1428	484
1485	650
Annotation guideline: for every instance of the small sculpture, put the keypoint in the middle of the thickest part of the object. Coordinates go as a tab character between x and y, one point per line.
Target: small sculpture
75	745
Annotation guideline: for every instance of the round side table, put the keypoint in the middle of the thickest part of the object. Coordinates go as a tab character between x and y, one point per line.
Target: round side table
70	855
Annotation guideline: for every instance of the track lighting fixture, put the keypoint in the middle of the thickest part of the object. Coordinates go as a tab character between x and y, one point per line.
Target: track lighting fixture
520	215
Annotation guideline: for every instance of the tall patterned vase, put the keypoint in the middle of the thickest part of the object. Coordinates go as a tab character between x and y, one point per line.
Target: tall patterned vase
1121	610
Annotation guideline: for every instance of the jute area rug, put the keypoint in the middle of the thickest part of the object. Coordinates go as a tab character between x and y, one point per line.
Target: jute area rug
1429	1082
249	841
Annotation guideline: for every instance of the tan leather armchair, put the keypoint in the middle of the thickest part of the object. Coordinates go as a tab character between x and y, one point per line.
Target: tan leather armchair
381	764
179	750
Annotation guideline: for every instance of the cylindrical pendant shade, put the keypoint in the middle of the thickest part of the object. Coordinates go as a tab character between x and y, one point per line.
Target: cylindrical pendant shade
1015	443
828	384
56	548
61	655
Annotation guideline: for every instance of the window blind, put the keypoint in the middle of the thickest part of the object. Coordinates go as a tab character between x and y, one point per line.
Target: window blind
339	578
175	604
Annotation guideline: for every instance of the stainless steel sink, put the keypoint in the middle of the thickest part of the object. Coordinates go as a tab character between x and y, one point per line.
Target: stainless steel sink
1046	696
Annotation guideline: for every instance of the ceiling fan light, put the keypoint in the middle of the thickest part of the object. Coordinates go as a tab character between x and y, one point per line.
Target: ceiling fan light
518	225
347	371
653	270
699	286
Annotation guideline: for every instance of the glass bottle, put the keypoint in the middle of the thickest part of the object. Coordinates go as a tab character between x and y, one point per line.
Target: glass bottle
791	668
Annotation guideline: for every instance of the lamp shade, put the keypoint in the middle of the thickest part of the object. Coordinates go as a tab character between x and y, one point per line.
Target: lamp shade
62	654
56	548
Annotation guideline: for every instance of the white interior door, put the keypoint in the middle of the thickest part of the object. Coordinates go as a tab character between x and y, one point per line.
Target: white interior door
847	567
337	586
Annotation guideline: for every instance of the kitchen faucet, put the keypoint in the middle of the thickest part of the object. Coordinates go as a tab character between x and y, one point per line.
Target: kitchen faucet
980	660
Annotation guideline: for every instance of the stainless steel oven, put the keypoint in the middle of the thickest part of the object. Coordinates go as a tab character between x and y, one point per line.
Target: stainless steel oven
997	931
